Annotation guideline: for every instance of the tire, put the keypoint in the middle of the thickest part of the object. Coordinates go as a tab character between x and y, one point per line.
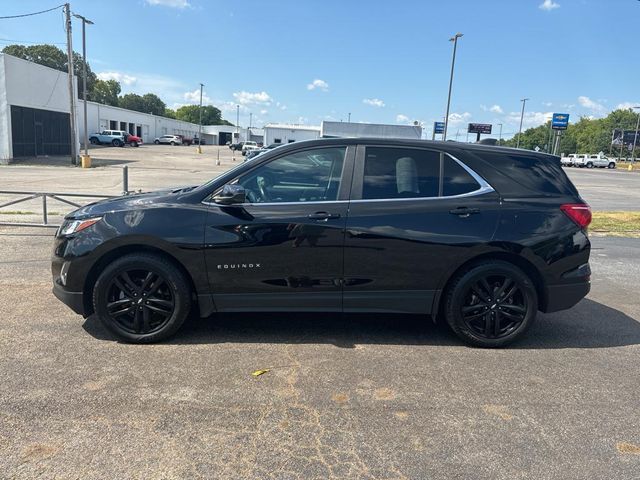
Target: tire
157	142
125	283
94	141
589	164
611	165
475	320
116	143
134	144
173	144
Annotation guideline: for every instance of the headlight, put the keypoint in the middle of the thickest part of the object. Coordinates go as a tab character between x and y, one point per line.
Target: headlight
74	226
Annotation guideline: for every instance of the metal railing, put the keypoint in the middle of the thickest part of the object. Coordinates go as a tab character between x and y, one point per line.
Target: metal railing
44	196
55	196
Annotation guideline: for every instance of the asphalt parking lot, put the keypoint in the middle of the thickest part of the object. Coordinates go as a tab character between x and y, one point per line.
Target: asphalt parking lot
353	397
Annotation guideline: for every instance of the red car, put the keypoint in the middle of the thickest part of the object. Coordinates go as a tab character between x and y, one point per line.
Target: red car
133	140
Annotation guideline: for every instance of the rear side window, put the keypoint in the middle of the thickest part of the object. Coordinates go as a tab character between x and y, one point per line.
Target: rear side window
413	173
541	174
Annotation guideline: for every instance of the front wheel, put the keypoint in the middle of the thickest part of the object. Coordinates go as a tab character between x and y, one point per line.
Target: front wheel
589	164
134	144
142	298
93	140
491	304
173	144
611	165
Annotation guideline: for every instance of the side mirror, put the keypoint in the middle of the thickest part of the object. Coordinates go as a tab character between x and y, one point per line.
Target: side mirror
231	195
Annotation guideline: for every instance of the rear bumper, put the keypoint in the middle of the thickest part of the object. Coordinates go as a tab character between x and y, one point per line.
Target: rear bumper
562	297
73	300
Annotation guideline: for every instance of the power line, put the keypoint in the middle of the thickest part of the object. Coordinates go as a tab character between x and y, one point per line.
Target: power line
31	14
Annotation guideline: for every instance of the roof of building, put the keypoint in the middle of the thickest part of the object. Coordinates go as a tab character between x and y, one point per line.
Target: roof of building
293	126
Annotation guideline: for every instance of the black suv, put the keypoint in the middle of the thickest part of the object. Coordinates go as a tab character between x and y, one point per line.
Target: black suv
482	237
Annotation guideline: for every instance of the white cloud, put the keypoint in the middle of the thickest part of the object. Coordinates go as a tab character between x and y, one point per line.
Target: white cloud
531	119
257	98
169	3
548	5
264	112
456	119
122	78
627	105
194	97
547	104
592	105
281	106
318	84
400	118
374	102
493	109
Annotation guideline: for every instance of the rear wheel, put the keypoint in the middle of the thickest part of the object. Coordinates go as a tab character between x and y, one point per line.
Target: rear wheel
611	165
116	143
491	304
142	298
589	164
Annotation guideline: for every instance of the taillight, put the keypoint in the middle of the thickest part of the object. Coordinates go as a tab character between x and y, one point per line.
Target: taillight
578	212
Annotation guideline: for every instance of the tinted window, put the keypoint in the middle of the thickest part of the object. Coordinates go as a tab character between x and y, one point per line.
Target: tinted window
456	180
540	174
400	173
308	176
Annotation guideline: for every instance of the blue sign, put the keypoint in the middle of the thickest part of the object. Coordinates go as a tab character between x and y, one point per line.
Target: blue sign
560	121
438	127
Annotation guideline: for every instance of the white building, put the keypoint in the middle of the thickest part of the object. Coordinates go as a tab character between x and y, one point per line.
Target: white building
369	130
289	133
34	115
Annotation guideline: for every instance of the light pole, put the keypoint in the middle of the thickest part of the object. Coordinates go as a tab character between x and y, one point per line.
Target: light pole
249	127
524	102
635	136
500	134
86	159
349	121
200	126
453	39
237	123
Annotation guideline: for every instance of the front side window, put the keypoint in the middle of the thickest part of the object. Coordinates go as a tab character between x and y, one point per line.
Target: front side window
307	176
394	173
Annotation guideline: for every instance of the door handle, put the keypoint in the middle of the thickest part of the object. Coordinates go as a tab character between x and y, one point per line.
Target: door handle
464	212
323	216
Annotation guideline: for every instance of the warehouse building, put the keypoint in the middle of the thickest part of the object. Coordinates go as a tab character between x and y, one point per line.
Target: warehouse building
369	130
289	133
34	114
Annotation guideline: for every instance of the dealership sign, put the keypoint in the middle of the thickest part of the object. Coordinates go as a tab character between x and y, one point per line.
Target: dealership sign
625	137
438	127
480	128
560	121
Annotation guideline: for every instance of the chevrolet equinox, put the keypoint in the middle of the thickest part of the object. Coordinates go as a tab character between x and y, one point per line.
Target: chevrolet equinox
481	237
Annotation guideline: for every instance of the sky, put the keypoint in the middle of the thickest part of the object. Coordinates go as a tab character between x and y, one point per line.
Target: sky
304	61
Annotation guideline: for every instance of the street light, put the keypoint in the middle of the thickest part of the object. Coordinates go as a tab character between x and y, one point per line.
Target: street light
200	126
349	121
453	39
524	102
635	136
85	20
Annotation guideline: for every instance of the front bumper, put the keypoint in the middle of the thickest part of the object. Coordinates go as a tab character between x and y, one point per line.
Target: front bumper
74	300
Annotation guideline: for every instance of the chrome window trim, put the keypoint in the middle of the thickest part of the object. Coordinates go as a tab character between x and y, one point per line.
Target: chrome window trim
274	203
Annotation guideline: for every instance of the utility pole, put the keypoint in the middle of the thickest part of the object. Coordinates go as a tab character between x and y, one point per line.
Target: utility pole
200	126
500	134
635	137
72	108
453	39
86	159
550	135
349	121
524	102
249	127
237	123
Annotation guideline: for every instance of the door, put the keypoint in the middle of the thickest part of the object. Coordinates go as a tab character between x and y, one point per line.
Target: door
283	248
39	139
413	214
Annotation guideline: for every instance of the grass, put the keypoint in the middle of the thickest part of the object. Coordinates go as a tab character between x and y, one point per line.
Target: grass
617	224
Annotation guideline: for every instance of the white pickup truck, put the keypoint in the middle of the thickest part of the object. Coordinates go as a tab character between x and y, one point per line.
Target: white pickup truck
588	161
248	146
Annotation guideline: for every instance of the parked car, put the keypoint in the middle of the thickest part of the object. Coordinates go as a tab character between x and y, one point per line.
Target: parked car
109	137
168	140
133	140
254	153
569	160
477	236
185	140
248	146
590	161
236	146
199	141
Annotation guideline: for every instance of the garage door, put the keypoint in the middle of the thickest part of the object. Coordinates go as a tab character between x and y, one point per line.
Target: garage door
37	132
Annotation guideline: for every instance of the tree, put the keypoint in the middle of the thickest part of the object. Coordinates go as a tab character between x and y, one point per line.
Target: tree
153	104
169	113
132	101
106	92
210	115
53	57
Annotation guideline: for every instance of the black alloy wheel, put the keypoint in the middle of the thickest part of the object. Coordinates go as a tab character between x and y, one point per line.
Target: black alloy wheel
142	298
492	304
